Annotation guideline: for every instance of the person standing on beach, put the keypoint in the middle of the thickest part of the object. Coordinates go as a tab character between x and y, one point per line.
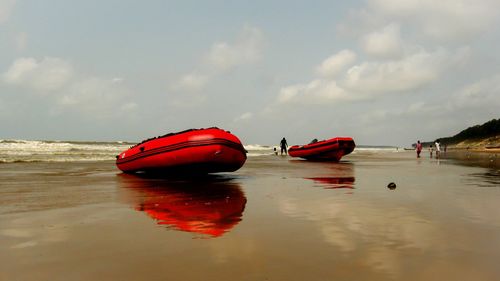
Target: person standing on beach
283	146
419	148
438	149
431	150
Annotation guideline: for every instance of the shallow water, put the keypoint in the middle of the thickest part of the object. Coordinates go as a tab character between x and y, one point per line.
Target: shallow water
274	219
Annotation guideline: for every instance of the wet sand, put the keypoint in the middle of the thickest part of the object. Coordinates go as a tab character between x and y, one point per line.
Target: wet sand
274	219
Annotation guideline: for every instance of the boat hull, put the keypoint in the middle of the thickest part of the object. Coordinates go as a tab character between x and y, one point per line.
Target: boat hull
328	150
194	151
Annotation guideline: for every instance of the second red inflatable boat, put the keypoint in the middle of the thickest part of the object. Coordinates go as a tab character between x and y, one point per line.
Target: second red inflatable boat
326	150
193	151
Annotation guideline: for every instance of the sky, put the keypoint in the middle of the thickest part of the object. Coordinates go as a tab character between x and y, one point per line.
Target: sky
385	72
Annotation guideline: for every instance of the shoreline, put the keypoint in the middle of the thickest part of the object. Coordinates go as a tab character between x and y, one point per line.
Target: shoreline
474	149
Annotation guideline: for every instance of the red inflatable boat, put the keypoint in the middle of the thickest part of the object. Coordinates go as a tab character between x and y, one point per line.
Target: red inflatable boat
193	151
326	150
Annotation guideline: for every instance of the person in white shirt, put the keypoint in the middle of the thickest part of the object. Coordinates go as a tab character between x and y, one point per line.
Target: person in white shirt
438	149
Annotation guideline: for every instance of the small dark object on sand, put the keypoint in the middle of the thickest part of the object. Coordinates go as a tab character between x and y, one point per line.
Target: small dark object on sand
391	186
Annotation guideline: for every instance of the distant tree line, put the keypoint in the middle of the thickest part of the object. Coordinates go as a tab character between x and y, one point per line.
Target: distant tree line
488	129
478	132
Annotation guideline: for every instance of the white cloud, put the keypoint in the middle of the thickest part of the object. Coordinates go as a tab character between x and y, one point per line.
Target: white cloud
409	73
129	106
96	97
374	78
70	92
3	108
223	56
483	94
117	80
473	103
21	41
442	20
191	82
244	116
19	69
336	63
188	101
386	43
49	74
318	91
445	114
373	117
6	7
416	107
245	49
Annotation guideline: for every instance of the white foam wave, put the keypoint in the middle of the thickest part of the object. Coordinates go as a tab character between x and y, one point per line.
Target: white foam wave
259	154
42	146
60	151
28	150
250	147
376	149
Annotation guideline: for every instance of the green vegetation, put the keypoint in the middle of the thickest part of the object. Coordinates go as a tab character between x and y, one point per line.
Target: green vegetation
478	132
479	136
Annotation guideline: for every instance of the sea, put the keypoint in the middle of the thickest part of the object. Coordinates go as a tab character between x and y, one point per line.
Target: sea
14	150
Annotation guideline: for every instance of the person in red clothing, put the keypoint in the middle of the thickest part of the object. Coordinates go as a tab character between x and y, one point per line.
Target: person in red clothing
419	148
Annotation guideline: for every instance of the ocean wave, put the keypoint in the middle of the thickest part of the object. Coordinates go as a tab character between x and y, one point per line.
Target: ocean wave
259	154
256	154
15	150
58	151
44	160
258	147
375	149
53	146
12	141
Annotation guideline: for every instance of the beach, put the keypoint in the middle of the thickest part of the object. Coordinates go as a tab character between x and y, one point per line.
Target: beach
276	218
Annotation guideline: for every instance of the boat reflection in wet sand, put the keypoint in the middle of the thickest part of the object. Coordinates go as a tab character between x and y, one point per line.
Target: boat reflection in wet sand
339	175
334	182
210	205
